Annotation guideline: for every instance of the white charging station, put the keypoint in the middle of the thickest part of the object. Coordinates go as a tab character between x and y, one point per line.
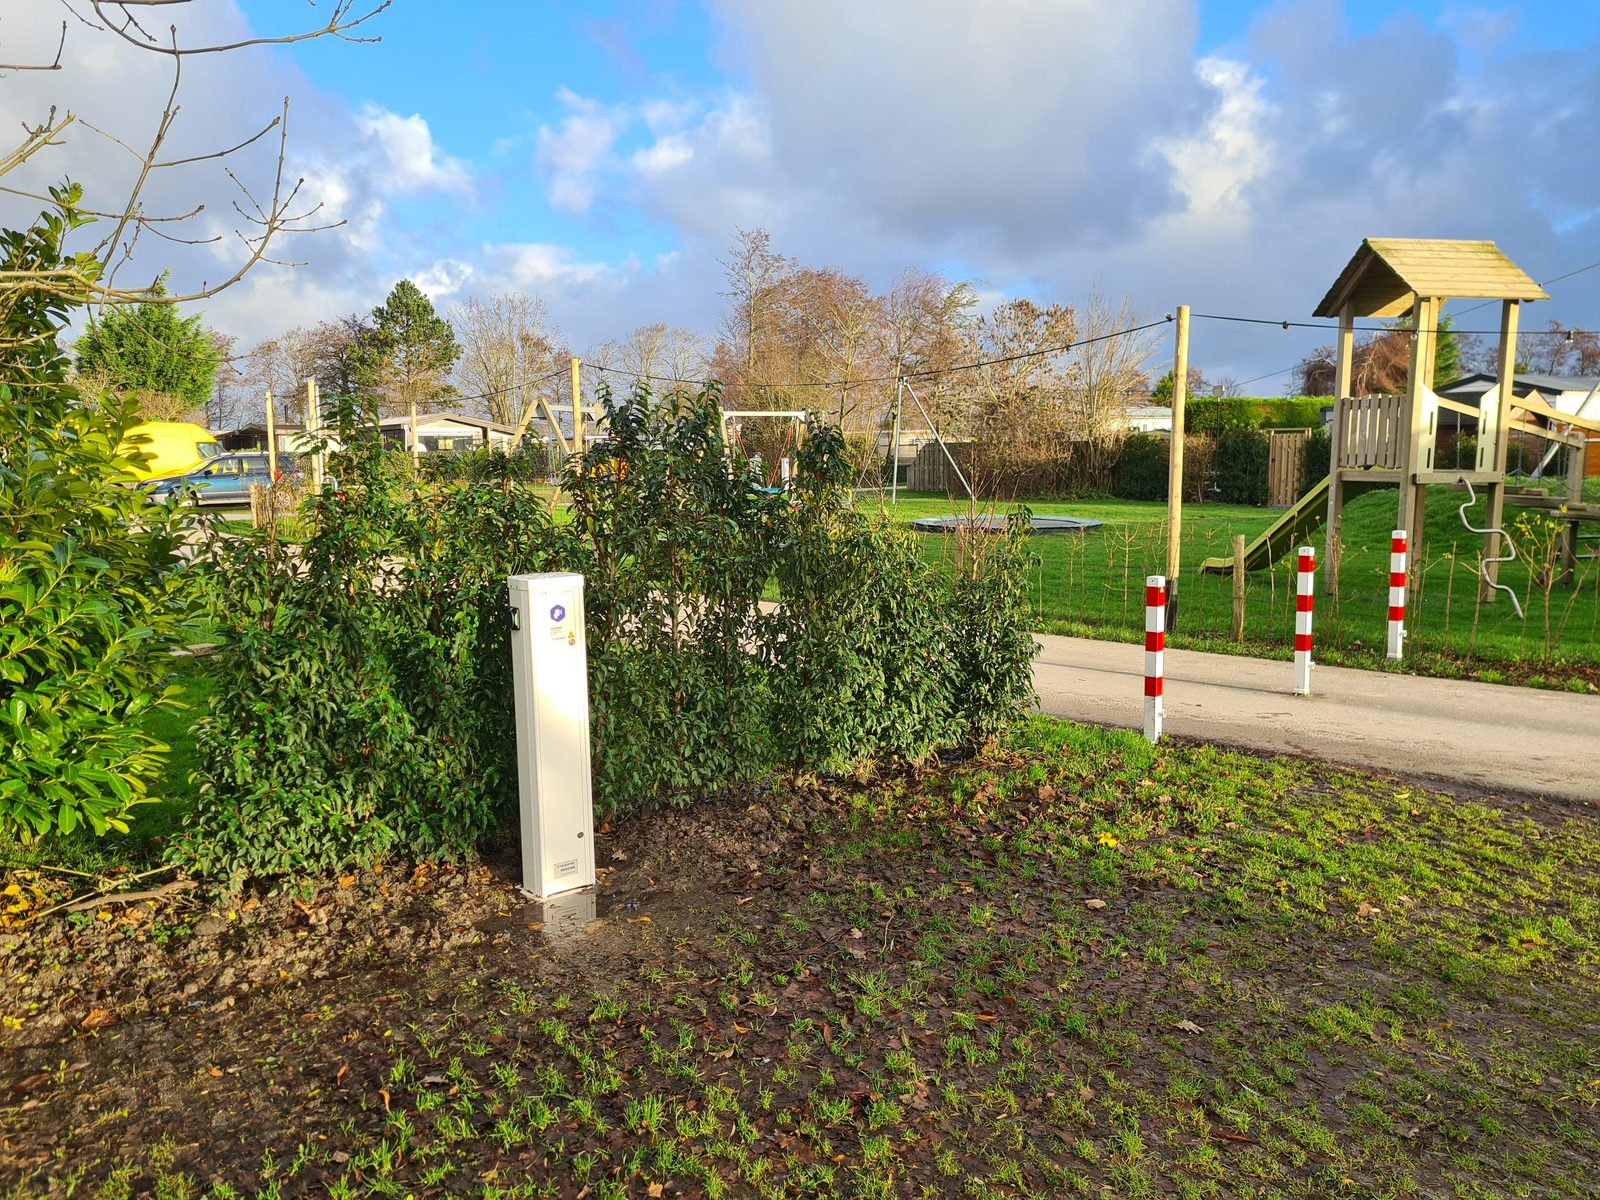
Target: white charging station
549	672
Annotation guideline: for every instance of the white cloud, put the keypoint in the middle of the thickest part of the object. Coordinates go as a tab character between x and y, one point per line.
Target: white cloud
406	158
443	278
1214	167
540	264
573	152
664	154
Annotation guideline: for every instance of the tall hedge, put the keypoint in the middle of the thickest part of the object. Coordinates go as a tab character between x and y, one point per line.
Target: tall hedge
1213	414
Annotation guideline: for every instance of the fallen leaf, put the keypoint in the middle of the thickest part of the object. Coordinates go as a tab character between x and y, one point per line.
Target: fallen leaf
856	933
1367	910
738	1028
343	1071
385	1094
619	856
1189	1027
347	881
655	1190
98	1018
1095	904
214	1072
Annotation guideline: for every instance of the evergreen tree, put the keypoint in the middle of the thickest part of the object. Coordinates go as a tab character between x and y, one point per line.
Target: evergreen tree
165	362
406	356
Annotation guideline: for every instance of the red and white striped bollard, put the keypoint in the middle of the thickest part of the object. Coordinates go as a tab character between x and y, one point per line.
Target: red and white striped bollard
1155	646
1397	594
1305	578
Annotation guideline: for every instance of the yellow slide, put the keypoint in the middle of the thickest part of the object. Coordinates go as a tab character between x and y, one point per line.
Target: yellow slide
1288	531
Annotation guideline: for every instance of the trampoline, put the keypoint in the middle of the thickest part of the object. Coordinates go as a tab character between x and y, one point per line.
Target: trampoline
993	523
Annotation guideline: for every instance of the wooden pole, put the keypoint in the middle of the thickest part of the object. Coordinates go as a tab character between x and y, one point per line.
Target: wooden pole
272	442
1343	357
1238	587
894	445
1506	370
577	410
1425	314
1180	393
314	433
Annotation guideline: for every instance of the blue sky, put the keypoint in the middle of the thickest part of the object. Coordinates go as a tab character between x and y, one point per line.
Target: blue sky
1227	155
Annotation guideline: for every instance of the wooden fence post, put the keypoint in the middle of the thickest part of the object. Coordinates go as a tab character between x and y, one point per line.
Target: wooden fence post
1238	587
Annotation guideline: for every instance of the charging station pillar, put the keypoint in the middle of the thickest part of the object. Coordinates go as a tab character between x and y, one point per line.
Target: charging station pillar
549	673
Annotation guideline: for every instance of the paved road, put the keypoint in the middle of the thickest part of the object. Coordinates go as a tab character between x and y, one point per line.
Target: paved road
1491	737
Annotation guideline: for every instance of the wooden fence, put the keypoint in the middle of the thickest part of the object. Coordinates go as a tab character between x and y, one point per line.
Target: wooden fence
1285	450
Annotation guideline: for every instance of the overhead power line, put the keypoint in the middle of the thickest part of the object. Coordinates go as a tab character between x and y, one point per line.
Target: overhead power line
1064	348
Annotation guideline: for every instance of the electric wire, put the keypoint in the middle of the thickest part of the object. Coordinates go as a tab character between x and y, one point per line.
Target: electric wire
1044	351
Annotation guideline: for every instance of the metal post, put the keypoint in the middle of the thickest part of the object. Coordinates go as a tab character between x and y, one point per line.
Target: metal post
950	458
1397	593
1155	646
1305	582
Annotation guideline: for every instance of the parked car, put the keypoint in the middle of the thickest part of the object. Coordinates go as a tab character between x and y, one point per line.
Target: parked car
221	481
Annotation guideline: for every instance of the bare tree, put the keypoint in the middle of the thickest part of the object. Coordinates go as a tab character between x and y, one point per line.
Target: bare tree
268	209
746	357
1107	373
1562	351
510	353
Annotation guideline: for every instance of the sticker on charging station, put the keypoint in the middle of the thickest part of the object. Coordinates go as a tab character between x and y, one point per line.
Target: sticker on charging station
558	625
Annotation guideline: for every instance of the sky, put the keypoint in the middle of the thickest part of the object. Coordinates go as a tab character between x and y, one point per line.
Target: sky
1230	156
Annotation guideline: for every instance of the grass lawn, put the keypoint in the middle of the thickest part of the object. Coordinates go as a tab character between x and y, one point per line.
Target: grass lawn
1076	966
1092	584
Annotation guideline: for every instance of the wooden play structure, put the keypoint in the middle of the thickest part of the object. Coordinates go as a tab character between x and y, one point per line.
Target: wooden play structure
1390	441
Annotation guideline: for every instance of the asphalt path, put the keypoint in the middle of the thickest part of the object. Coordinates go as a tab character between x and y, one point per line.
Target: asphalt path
1488	736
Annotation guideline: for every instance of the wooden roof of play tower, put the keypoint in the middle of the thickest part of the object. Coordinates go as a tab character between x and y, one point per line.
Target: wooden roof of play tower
1388	275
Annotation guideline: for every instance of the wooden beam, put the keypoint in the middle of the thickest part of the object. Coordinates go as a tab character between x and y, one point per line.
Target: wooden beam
1180	394
1343	355
1506	374
1412	494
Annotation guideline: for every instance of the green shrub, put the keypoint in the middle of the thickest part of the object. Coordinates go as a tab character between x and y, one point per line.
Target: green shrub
362	702
1317	459
92	592
1210	414
678	546
1241	466
1141	472
364	705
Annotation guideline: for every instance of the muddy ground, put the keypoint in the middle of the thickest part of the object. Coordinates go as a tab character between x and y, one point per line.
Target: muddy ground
881	938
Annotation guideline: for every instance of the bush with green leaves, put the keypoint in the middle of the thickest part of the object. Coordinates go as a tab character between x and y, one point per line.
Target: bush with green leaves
93	593
1142	468
678	543
363	698
1240	466
1316	459
363	701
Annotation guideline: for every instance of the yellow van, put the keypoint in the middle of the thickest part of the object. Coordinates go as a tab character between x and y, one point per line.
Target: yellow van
173	446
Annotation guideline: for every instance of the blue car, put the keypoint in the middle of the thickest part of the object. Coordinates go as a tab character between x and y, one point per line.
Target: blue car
223	481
